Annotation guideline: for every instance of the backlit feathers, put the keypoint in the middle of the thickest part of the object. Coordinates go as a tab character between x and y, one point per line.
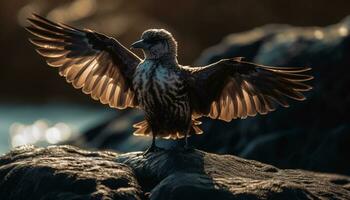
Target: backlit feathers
98	64
238	89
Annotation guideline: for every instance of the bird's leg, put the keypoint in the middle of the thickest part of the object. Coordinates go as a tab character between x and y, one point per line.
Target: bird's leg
186	140
187	147
153	147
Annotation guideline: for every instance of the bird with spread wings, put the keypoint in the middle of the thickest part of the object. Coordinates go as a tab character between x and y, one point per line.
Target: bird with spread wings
172	96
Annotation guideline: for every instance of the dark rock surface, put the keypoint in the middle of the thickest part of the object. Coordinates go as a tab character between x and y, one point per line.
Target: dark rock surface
65	172
312	135
200	175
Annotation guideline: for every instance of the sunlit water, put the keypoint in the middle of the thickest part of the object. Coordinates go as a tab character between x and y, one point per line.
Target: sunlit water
46	124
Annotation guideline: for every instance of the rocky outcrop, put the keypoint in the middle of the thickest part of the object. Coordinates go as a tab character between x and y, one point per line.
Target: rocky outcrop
65	172
312	134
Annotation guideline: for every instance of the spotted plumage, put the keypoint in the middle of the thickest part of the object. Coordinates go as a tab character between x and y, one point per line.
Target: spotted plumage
172	96
161	92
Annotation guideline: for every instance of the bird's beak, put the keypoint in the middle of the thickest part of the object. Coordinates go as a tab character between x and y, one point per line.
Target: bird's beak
138	44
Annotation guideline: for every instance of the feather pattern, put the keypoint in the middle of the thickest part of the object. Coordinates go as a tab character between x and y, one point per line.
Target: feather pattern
98	64
161	93
238	89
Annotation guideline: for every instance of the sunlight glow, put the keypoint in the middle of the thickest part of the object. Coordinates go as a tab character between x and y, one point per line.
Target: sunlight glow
319	34
73	11
343	31
39	131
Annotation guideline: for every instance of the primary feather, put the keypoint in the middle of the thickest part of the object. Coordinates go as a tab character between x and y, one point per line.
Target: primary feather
237	89
98	64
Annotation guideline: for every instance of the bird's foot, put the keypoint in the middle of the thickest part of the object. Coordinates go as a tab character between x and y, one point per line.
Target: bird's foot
152	149
188	148
183	148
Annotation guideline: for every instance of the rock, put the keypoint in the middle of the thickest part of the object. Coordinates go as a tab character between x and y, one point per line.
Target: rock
310	135
65	173
173	174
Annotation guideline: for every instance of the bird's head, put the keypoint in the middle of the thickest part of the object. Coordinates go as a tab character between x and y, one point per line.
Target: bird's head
157	43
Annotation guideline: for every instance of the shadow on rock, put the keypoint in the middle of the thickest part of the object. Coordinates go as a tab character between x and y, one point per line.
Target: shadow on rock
193	175
173	174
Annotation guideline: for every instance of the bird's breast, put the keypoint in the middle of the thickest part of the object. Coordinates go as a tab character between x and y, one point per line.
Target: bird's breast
157	85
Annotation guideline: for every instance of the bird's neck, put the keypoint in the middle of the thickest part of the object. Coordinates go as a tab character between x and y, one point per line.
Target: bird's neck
166	59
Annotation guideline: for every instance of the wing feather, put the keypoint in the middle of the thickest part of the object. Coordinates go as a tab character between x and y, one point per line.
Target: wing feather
233	88
98	64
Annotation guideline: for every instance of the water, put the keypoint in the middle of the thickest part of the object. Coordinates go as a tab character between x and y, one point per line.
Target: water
77	117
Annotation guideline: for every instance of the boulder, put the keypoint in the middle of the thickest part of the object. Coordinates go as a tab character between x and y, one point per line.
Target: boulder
65	172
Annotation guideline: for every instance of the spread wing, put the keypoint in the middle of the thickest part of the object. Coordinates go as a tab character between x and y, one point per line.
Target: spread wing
98	64
233	88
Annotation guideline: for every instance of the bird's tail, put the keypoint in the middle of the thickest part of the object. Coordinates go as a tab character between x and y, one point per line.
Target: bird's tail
195	129
143	129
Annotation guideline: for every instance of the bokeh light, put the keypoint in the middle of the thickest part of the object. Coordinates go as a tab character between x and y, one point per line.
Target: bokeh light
39	132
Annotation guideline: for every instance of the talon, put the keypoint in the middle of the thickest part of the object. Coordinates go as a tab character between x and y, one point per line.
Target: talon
188	148
152	149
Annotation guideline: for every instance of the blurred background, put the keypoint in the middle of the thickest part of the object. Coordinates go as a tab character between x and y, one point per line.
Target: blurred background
38	107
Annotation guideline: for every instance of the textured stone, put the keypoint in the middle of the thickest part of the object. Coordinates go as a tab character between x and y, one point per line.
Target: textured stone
65	173
174	174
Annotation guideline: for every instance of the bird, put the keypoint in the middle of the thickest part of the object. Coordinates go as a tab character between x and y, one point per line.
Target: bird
172	96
